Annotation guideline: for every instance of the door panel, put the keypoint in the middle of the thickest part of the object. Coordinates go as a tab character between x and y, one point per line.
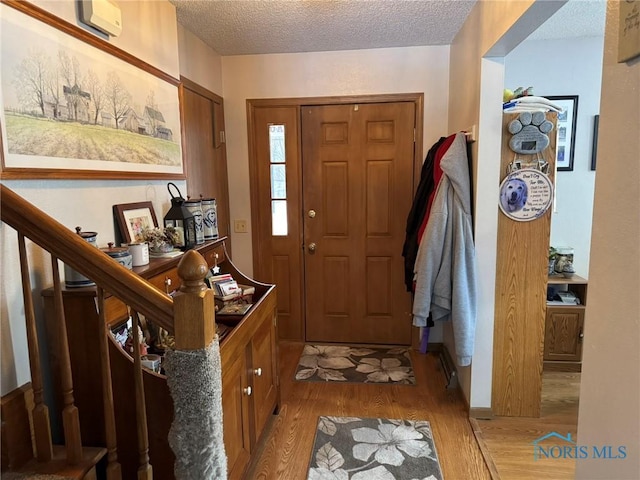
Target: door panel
278	258
204	155
357	177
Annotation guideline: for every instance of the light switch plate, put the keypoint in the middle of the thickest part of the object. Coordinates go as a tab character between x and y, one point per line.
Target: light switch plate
240	226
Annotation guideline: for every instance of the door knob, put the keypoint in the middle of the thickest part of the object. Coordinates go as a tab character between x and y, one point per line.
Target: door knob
312	247
311	213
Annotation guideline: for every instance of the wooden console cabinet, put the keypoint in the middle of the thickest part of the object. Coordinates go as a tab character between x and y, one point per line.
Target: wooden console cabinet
564	327
249	370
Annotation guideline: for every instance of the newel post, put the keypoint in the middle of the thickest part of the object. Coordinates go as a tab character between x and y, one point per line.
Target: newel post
193	305
194	377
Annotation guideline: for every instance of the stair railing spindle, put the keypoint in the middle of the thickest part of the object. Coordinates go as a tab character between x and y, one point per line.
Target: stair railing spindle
40	412
145	470
114	470
70	416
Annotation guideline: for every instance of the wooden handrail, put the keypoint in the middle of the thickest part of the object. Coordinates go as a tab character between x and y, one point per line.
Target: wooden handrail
69	247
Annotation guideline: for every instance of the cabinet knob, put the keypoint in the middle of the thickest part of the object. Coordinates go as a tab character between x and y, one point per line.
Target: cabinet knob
247	391
258	372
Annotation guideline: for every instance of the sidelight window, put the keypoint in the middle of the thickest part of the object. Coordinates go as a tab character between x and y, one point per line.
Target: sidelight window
278	178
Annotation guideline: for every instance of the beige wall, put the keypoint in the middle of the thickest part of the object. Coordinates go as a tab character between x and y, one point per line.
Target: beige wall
149	33
610	386
198	62
357	72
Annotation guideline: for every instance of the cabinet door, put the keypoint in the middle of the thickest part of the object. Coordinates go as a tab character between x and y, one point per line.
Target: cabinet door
264	371
563	336
235	408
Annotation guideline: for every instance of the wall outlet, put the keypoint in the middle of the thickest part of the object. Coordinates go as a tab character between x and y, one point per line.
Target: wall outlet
240	226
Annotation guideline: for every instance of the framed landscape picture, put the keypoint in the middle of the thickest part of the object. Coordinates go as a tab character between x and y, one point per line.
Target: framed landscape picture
74	106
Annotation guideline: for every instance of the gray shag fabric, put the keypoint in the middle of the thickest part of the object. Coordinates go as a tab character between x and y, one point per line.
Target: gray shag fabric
32	476
195	382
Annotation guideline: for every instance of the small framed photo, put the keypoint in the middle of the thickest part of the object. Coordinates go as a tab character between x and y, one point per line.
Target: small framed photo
133	219
566	131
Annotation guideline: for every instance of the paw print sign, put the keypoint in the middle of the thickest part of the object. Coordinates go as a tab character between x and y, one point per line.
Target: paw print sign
529	132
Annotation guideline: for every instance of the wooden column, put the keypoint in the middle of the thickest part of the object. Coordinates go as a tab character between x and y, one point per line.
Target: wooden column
521	287
194	323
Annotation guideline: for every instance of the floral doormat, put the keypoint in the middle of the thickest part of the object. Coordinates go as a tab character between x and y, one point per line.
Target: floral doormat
335	363
350	448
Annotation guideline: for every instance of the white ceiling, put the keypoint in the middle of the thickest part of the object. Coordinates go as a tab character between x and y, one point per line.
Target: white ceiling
243	27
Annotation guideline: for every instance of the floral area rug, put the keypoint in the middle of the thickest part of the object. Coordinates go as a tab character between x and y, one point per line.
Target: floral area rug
350	448
355	364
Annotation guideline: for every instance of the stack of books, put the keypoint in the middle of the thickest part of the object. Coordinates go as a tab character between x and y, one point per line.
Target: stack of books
224	285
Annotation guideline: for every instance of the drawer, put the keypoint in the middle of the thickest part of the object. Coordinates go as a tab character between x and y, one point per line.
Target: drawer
210	255
166	282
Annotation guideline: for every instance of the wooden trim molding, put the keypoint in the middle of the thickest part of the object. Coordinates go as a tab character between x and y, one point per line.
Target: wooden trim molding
483	413
484	449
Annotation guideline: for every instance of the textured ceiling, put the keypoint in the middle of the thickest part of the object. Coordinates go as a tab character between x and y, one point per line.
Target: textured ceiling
578	18
242	27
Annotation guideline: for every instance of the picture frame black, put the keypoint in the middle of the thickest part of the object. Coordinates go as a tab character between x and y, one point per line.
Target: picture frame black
566	130
594	142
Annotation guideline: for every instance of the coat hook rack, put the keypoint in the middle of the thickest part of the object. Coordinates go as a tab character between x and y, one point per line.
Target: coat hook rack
470	133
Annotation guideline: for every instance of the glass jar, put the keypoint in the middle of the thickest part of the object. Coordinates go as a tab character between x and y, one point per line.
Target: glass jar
564	256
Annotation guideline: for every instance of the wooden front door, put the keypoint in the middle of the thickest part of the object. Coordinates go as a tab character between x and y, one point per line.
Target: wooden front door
357	164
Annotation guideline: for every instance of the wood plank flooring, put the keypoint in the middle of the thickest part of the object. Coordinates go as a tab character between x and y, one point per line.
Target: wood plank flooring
508	439
285	453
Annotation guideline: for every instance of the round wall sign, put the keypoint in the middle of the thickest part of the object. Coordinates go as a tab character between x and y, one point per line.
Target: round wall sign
525	195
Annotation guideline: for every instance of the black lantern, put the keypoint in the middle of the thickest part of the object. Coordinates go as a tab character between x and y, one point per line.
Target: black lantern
181	219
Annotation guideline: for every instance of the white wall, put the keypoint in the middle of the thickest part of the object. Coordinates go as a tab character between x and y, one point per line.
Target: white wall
198	62
571	66
610	385
88	202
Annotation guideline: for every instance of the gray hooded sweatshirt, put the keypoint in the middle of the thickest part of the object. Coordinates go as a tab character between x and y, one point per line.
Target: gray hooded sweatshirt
445	271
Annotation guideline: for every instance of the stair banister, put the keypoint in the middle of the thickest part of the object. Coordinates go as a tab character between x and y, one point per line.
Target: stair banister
54	237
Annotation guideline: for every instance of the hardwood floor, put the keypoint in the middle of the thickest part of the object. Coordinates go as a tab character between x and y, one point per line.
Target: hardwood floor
285	453
508	440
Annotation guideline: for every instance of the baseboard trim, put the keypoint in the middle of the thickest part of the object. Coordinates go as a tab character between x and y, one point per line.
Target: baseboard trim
482	413
551	366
